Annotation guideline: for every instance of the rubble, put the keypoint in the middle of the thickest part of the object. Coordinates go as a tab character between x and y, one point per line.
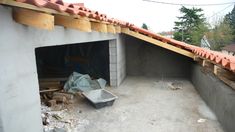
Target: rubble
61	121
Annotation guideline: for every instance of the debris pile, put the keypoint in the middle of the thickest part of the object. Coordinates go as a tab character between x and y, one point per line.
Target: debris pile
61	121
58	96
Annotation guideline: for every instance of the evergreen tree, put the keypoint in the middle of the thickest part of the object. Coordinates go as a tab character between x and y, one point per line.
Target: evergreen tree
230	18
191	26
144	26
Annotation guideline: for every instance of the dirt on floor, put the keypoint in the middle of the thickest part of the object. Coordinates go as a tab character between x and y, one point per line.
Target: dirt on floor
144	105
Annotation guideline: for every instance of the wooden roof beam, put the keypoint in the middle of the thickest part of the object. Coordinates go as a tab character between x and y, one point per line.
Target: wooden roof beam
99	27
82	24
111	29
158	43
33	18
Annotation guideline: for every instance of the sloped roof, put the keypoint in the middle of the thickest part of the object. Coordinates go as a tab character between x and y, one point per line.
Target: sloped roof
230	47
223	60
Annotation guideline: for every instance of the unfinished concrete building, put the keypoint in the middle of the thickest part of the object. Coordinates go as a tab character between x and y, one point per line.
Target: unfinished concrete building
161	83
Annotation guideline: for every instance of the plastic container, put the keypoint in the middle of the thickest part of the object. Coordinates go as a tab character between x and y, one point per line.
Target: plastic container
100	98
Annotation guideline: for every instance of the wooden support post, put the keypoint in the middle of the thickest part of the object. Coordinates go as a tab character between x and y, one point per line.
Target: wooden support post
208	64
34	18
111	29
215	70
99	27
82	24
197	58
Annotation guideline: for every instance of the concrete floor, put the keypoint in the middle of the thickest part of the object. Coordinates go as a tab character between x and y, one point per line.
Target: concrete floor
150	105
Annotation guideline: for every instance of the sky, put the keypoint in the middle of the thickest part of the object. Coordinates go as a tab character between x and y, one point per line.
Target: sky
158	17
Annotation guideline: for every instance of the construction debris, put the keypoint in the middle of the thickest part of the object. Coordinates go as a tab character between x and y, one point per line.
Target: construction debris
61	121
175	85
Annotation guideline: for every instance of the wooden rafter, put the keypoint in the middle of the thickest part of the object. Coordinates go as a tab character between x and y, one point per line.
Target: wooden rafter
99	27
34	18
111	28
118	29
158	43
82	24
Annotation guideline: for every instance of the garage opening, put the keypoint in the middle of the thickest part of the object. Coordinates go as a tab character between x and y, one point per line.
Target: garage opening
86	58
55	65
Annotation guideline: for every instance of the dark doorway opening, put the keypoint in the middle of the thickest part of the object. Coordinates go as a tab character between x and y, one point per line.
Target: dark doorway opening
86	58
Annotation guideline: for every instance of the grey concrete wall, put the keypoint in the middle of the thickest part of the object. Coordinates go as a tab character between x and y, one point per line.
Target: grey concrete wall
19	91
144	59
117	60
218	96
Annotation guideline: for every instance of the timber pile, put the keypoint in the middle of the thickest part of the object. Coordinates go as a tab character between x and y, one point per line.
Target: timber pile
52	93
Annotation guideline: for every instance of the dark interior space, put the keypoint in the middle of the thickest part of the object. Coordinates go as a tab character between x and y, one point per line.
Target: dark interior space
154	61
86	58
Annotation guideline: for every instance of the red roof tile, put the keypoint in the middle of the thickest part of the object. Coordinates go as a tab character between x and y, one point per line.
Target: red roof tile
79	9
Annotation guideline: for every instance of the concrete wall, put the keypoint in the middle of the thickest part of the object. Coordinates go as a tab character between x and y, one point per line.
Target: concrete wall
19	90
218	96
144	59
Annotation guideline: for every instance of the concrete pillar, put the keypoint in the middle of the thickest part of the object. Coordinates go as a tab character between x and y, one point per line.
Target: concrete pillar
117	59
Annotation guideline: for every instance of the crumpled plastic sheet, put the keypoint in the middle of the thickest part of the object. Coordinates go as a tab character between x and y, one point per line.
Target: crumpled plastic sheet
83	82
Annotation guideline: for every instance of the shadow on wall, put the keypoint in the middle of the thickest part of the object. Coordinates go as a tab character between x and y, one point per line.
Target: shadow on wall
145	59
87	58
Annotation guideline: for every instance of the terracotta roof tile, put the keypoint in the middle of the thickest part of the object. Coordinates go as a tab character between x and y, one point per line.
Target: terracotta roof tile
79	9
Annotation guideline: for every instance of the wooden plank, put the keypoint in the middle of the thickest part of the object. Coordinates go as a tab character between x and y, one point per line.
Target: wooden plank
49	90
219	71
82	24
34	18
53	79
158	43
207	63
99	27
111	28
215	70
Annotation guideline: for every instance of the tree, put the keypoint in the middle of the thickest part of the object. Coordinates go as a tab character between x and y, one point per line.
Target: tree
220	35
191	26
144	26
230	19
